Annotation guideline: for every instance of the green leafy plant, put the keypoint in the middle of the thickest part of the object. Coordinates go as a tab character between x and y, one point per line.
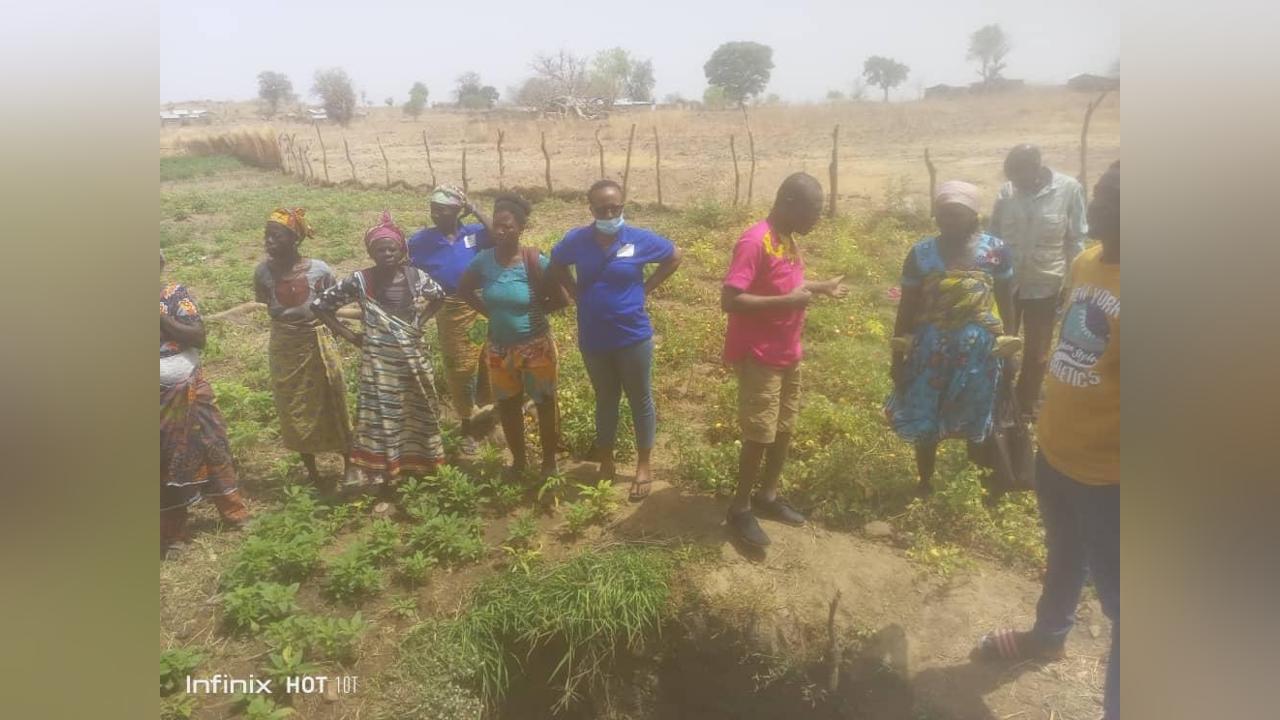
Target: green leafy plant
293	631
503	496
553	487
454	491
521	531
178	707
175	665
384	537
521	559
339	638
415	567
448	538
288	662
352	576
405	607
249	607
262	707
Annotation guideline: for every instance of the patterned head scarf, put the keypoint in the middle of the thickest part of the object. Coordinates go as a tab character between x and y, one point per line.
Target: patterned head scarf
959	193
293	218
448	195
386	228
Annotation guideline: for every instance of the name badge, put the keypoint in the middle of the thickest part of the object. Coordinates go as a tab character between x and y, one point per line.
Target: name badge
469	241
627	250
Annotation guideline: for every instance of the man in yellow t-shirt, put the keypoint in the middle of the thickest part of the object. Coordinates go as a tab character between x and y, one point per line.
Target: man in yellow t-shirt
1078	467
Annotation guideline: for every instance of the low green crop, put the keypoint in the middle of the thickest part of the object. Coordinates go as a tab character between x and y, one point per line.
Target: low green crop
249	607
175	665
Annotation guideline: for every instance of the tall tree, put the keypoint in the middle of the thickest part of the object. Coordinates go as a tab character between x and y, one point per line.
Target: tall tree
741	68
641	81
884	73
417	100
989	45
564	73
333	87
274	88
609	72
471	94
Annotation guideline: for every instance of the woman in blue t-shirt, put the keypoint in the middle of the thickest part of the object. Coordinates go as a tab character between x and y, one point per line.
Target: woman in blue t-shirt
520	354
444	251
614	332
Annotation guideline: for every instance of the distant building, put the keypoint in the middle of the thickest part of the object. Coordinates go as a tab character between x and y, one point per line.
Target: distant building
1093	83
997	85
185	116
937	91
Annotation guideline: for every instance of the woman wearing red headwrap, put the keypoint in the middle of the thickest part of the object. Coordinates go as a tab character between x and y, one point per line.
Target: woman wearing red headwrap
397	418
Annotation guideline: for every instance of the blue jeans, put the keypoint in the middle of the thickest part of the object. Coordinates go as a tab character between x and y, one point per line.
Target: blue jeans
625	369
1082	537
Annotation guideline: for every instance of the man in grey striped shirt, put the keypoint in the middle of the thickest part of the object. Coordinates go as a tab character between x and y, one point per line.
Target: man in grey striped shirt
1040	215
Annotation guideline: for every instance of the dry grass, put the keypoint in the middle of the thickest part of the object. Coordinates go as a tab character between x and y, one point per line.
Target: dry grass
881	144
255	146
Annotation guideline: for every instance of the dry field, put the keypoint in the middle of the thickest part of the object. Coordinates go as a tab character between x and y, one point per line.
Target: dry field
881	145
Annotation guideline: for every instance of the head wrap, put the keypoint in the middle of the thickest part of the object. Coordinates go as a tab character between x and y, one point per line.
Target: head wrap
293	218
958	192
385	228
448	195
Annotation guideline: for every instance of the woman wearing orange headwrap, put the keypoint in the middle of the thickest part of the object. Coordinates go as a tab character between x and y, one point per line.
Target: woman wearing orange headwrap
306	370
397	418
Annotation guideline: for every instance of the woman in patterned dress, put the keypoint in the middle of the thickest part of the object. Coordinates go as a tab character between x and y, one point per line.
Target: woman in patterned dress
397	430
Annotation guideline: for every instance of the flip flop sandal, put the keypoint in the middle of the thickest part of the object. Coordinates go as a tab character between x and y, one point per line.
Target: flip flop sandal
634	495
1009	645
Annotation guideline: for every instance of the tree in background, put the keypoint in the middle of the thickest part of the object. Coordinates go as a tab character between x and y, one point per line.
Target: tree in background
390	101
673	98
884	73
333	87
563	75
714	98
417	100
472	95
835	96
274	88
988	45
641	81
741	68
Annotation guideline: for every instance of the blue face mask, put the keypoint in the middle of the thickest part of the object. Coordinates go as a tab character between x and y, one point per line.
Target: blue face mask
610	227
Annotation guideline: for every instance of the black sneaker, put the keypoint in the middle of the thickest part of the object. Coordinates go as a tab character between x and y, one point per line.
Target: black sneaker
746	528
777	509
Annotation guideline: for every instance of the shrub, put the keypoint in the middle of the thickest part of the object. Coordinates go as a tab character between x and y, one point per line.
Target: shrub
415	567
175	665
352	576
522	530
448	538
250	606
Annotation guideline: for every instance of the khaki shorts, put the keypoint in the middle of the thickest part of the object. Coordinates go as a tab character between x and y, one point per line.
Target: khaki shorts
768	400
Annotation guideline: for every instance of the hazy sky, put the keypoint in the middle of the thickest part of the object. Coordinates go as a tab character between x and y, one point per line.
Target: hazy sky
214	50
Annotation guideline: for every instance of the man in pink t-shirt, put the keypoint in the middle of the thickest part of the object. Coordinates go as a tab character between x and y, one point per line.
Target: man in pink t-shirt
765	295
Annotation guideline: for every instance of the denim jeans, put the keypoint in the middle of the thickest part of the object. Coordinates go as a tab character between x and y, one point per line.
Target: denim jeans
1082	537
625	369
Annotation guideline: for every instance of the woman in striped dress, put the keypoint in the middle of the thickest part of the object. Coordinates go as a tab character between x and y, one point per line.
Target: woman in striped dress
397	430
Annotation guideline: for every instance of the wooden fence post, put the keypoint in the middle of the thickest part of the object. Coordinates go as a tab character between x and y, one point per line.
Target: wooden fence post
835	170
546	157
600	148
502	167
465	186
347	148
1084	143
751	143
324	154
284	170
657	162
737	178
306	156
933	179
386	166
429	165
626	173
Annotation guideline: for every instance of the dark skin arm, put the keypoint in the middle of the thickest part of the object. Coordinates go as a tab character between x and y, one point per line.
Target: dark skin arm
339	328
664	271
559	274
908	311
190	335
469	291
470	209
733	300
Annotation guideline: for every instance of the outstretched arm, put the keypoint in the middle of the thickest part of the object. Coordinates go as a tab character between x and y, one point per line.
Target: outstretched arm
733	300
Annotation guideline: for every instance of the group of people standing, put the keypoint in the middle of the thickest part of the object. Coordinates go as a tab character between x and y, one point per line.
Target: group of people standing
971	301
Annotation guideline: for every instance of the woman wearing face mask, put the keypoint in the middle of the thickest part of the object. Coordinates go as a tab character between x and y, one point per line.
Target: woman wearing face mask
614	332
503	284
397	420
949	337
